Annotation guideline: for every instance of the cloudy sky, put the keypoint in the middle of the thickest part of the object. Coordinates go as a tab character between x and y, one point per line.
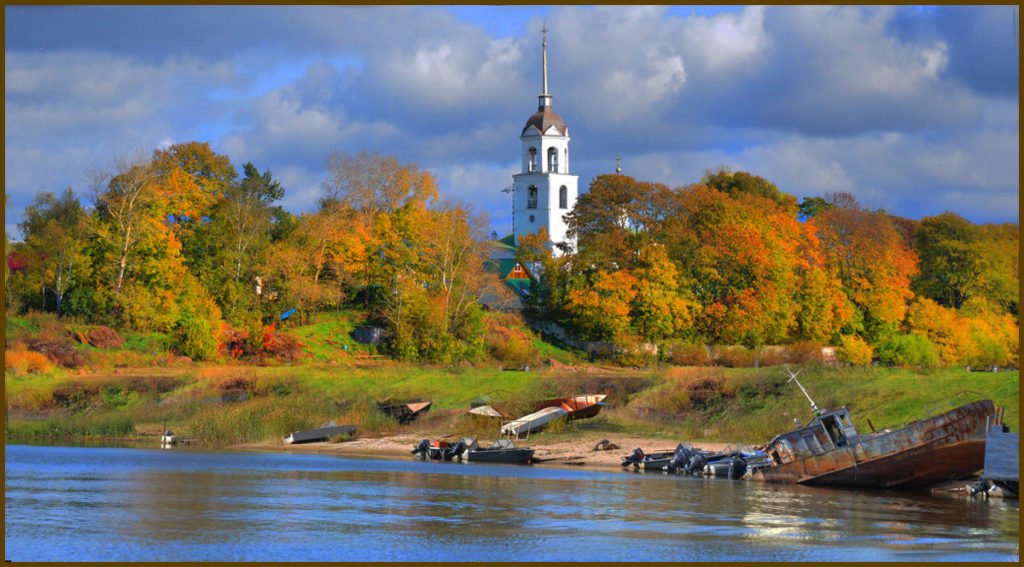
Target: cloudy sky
911	109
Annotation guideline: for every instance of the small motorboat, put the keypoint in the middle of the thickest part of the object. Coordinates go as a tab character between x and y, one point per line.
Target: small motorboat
319	434
654	461
501	451
168	439
442	450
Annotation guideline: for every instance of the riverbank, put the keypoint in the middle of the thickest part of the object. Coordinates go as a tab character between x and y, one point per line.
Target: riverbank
576	452
242	405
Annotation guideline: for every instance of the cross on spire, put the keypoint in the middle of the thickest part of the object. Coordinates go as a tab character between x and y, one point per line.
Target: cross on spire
544	44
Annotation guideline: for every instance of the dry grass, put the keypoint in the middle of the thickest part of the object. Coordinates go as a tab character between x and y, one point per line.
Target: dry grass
20	360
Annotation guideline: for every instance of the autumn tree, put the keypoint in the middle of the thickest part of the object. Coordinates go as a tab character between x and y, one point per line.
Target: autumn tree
872	261
742	183
55	231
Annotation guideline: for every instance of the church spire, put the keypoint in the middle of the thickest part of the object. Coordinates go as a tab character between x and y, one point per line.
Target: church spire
545	96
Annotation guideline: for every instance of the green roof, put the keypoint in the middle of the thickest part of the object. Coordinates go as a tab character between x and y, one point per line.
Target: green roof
519	285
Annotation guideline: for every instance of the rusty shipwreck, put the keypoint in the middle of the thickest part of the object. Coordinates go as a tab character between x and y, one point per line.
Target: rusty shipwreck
830	451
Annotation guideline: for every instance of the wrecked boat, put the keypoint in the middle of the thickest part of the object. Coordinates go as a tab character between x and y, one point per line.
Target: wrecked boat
830	451
404	413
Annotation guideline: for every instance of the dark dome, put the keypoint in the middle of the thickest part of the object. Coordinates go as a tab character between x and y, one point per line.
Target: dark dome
544	119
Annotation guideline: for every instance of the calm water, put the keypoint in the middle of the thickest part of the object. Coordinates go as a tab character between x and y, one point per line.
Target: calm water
117	504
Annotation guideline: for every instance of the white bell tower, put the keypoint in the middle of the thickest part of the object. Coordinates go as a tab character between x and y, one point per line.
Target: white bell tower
544	191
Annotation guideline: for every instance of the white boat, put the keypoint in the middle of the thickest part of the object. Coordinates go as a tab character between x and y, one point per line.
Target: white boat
532	422
168	439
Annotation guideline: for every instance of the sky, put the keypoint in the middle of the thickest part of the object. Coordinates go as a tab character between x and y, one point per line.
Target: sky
911	109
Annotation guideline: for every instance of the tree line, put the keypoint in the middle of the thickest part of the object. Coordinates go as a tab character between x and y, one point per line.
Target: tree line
732	260
179	243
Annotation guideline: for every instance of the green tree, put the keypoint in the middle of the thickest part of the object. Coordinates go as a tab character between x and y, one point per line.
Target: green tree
55	231
743	183
950	259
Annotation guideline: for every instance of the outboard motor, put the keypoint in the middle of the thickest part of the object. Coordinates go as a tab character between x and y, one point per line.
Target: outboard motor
737	466
680	459
696	464
634	458
456	450
422	449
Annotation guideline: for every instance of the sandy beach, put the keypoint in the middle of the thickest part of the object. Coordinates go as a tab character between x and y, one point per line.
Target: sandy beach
577	452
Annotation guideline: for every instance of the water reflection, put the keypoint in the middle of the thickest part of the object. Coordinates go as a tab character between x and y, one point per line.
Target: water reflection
106	504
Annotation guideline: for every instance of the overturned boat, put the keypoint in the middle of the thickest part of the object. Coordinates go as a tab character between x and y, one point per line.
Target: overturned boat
577	407
405	412
319	434
532	422
830	451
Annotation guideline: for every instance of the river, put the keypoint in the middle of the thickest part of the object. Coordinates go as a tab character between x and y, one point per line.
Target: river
134	504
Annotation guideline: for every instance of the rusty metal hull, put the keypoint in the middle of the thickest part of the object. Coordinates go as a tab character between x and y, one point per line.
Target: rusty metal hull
944	447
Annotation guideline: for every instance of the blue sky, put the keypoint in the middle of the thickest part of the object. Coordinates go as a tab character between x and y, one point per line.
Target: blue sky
911	109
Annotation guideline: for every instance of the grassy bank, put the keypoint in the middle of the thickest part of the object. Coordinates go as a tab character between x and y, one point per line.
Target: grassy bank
222	405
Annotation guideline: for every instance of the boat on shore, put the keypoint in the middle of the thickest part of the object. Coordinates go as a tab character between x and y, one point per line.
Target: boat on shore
405	412
829	451
501	451
168	438
577	407
319	434
532	422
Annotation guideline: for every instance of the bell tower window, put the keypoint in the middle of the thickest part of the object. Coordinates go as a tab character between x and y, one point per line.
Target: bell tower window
532	164
563	197
552	160
531	197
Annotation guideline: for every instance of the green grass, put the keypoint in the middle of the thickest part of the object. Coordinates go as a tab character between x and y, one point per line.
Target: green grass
329	338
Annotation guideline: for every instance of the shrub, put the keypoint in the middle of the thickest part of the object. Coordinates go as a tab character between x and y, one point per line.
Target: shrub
282	347
196	338
59	350
687	354
854	350
803	352
632	351
908	350
734	357
23	361
509	343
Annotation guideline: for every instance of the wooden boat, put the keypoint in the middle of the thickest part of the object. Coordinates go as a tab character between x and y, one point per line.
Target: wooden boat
533	421
501	451
320	433
404	413
829	451
578	407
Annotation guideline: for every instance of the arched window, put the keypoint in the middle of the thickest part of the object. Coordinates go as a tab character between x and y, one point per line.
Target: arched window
532	165
552	160
563	197
531	197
